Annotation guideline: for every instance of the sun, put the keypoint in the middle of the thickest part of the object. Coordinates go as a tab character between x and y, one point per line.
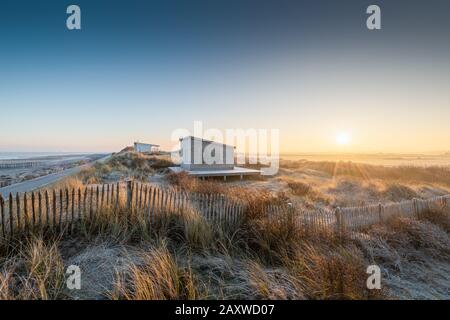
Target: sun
343	138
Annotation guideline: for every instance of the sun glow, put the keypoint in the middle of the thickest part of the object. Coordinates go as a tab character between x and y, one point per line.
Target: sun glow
343	138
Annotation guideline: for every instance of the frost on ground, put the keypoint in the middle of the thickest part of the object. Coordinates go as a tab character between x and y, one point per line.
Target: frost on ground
99	264
414	257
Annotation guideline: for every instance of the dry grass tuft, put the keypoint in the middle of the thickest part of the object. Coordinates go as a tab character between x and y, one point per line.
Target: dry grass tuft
36	272
299	188
439	217
157	277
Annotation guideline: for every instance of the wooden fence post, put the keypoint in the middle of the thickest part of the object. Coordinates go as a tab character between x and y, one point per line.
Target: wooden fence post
102	200
129	196
2	210
33	209
380	212
11	216
25	212
136	197
116	195
54	208
97	200
84	211
40	210
79	204
18	212
416	211
47	209
61	207
339	224
107	195
91	204
72	213
290	214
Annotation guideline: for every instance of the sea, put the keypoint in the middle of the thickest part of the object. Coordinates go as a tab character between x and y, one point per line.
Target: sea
30	155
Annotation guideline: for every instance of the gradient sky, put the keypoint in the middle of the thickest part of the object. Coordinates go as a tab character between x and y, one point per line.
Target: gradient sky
140	69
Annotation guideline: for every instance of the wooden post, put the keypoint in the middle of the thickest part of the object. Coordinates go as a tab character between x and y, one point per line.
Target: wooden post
18	212
157	207
149	205
176	196
66	216
91	204
207	200
152	205
171	206
146	190
416	211
380	212
61	207
102	201
40	210
140	197
136	197
84	211
129	196
339	224
54	208
97	200
11	216
25	211
73	209
162	198
166	201
2	211
117	195
107	195
33	209
47	209
79	203
290	220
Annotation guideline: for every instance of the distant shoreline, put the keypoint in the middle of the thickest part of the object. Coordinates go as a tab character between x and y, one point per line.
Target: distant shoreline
42	155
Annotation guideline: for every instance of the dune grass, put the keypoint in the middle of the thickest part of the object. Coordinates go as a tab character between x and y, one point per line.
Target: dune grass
183	256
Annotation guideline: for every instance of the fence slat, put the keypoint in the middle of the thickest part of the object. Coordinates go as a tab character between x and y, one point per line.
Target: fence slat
18	212
47	209
73	209
33	209
2	211
91	204
40	209
11	215
25	212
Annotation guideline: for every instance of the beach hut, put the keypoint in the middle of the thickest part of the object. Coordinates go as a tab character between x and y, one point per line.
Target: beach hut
145	147
206	158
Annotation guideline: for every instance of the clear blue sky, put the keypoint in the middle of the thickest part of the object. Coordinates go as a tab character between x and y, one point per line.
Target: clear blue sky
139	69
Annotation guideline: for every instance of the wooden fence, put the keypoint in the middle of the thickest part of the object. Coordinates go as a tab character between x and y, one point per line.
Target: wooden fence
357	218
61	209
